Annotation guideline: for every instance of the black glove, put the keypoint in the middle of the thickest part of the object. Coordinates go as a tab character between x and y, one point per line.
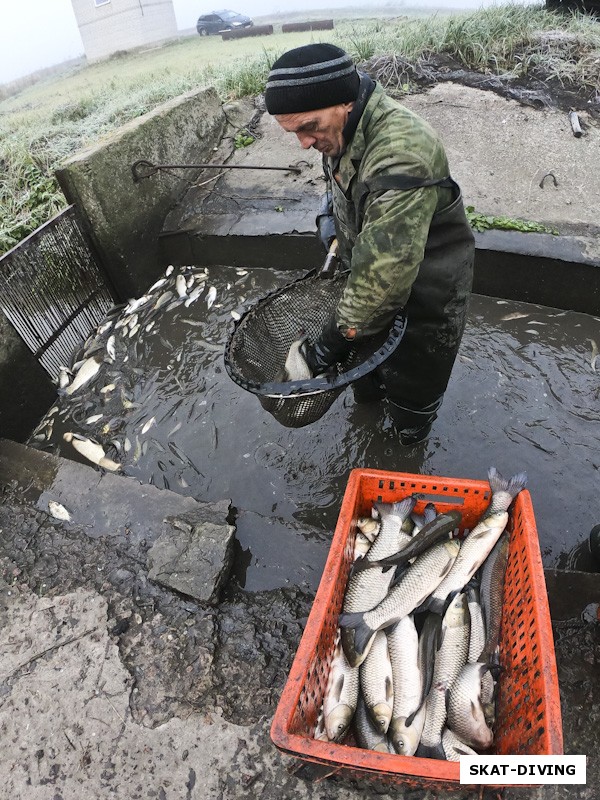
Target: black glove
330	348
325	221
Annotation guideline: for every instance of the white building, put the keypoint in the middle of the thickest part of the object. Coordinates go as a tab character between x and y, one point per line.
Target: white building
107	26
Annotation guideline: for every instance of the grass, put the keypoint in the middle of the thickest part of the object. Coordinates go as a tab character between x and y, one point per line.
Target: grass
49	121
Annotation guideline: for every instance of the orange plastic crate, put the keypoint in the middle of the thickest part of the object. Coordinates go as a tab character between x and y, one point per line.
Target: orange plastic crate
528	706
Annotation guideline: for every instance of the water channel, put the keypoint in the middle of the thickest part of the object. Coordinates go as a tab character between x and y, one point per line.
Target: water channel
523	396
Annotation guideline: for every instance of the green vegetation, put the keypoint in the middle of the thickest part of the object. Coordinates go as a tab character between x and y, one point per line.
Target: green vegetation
484	222
51	120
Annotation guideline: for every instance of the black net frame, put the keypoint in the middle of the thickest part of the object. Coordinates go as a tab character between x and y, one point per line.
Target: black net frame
259	344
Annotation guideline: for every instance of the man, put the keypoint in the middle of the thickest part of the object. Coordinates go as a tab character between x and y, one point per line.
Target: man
400	225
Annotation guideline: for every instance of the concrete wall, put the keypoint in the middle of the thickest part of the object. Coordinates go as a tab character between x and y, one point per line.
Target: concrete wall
124	218
107	27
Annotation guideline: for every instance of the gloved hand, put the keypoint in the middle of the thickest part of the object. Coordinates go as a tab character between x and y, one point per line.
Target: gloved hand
330	348
325	221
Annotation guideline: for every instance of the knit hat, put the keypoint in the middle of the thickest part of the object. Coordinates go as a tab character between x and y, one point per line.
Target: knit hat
311	77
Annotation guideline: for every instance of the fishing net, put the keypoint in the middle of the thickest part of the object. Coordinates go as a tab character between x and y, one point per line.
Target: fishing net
258	347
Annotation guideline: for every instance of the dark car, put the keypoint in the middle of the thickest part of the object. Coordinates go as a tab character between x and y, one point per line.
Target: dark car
218	21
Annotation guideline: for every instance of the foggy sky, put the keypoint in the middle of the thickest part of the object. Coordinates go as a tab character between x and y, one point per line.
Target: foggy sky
42	33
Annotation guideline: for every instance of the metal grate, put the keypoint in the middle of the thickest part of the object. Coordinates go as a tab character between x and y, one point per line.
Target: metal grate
54	293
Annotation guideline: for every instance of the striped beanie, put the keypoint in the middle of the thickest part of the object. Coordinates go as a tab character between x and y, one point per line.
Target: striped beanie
311	77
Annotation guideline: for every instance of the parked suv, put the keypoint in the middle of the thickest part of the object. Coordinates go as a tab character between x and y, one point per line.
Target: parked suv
218	21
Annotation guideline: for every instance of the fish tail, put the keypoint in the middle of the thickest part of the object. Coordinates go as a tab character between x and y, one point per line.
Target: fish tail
431	751
403	508
363	634
512	485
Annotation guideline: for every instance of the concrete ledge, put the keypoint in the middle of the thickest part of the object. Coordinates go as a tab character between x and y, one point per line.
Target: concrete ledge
124	218
558	271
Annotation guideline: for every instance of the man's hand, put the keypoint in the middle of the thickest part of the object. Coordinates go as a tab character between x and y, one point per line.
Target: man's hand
325	221
330	348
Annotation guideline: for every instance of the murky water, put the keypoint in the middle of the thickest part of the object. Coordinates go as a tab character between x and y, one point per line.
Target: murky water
524	396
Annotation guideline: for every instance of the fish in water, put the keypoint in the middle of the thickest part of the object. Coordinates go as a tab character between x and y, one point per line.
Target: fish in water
58	511
88	370
295	368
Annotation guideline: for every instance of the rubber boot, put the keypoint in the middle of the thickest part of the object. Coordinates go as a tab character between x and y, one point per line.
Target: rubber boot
413	425
369	389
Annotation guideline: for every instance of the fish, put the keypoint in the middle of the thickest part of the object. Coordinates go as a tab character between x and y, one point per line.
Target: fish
341	695
160	282
181	285
88	370
477	545
368	588
439	528
58	511
64	377
362	544
420	520
133	305
236	316
453	747
148	425
91	450
513	315
477	635
413	587
163	299
594	354
193	296
169	270
465	711
376	682
450	657
367	734
428	645
93	418
369	527
295	367
211	296
110	347
320	734
408	711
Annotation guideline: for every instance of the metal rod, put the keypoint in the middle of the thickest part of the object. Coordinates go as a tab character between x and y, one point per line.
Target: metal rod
152	169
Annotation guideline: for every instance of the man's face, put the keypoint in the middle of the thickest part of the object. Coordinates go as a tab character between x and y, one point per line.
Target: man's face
321	129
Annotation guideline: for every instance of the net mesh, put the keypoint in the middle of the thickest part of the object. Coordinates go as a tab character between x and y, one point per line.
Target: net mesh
259	345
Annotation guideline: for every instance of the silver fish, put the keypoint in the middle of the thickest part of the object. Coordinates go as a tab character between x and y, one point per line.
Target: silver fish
420	520
193	296
295	368
453	747
413	587
477	636
110	347
341	695
58	511
408	713
93	418
320	733
476	547
181	285
88	370
465	711
91	450
368	588
169	270
369	527
367	734
211	296
376	682
450	658
361	545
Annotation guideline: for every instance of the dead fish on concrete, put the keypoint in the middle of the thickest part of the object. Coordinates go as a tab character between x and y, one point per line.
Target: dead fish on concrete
91	450
58	511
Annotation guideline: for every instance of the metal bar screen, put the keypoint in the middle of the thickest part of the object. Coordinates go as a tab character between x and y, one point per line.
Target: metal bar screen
54	293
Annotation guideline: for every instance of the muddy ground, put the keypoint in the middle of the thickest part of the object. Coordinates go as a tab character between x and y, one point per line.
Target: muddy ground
113	687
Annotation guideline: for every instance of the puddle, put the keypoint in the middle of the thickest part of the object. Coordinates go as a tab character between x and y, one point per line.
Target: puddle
523	396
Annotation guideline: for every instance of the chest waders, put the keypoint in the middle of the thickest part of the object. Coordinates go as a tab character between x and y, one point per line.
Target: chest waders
414	378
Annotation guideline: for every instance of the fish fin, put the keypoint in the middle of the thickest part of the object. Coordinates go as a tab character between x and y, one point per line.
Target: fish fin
359	565
400	571
404	507
411	717
351	619
429	513
500	484
431	751
473	584
337	688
